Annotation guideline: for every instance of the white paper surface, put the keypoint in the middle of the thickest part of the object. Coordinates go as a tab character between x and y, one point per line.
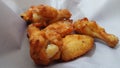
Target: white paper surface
105	12
11	30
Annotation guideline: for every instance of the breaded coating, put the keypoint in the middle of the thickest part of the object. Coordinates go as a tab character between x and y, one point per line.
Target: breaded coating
56	31
63	14
91	28
39	47
63	27
45	15
76	45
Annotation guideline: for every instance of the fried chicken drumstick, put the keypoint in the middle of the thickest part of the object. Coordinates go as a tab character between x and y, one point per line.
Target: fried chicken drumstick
91	28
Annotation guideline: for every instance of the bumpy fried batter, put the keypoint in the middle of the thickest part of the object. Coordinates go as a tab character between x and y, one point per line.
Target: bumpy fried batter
45	15
56	31
75	46
40	51
63	14
91	28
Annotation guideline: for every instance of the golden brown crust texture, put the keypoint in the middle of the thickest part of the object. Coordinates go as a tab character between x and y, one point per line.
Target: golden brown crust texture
75	46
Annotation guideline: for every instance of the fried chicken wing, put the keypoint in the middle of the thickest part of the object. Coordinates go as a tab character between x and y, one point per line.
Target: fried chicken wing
76	45
45	15
41	52
91	28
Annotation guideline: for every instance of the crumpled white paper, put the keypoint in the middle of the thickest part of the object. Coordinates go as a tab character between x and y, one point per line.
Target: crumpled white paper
12	29
105	12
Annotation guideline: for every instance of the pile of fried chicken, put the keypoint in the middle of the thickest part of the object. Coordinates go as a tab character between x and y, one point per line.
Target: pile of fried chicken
54	36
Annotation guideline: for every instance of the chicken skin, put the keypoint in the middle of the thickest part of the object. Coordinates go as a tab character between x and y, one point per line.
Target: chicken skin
76	45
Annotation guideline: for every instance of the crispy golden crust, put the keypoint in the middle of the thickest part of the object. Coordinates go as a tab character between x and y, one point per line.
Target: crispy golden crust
47	11
63	14
62	27
56	31
75	46
91	28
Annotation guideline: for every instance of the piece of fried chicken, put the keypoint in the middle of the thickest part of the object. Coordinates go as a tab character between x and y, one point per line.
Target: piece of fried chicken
91	28
76	45
41	51
44	15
